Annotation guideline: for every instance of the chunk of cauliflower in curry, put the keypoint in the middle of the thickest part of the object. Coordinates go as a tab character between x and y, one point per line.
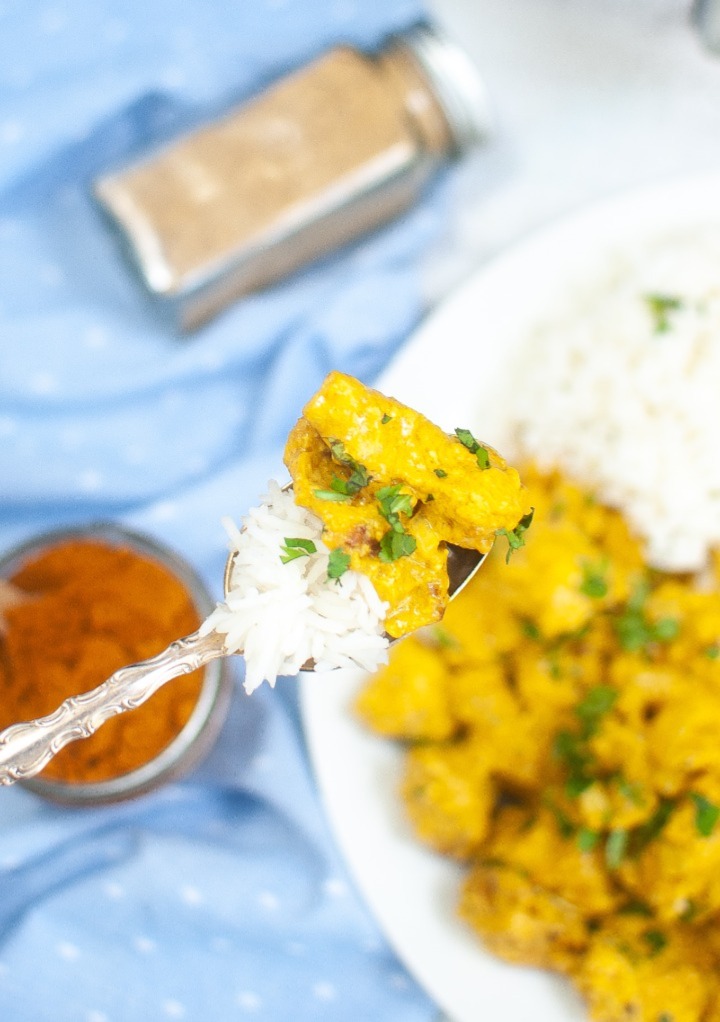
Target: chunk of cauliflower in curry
563	741
392	490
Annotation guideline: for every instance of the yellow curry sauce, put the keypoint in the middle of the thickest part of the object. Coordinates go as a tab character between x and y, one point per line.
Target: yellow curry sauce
392	490
563	732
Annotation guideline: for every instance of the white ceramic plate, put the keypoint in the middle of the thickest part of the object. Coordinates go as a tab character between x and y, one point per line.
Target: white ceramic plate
451	371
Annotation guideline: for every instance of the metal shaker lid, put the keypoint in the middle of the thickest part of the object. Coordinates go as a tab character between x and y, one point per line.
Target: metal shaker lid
456	82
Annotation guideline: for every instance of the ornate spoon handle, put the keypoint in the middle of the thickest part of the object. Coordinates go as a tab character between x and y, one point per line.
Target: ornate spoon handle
26	748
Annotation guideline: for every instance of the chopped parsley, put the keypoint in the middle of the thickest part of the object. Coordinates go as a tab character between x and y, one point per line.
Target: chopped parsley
332	495
594	584
616	847
359	476
385	419
440	473
571	747
630	790
442	637
706	814
393	502
565	826
654	826
635	631
395	545
396	542
530	630
660	306
713	652
468	440
516	536
598	701
295	548
655	940
338	563
587	839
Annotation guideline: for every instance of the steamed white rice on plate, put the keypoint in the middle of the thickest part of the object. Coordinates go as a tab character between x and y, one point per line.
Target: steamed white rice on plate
531	358
282	610
621	390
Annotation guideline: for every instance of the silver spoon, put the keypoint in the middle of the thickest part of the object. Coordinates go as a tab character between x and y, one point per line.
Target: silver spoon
26	748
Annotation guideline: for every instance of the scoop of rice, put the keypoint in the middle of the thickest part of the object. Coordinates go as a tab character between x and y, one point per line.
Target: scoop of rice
620	390
281	615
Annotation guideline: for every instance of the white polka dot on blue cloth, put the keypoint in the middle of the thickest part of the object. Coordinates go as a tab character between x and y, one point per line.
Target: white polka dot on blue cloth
67	951
191	895
248	1001
324	991
173	1009
269	901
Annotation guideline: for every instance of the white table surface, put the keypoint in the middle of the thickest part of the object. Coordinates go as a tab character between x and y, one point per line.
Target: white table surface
590	97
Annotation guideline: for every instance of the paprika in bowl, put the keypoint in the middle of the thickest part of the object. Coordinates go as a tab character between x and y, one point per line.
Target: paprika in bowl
78	604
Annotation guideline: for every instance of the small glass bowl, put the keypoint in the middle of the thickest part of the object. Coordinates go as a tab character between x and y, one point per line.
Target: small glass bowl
192	743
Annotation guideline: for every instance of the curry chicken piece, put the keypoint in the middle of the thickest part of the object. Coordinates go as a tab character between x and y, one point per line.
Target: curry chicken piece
351	445
638	971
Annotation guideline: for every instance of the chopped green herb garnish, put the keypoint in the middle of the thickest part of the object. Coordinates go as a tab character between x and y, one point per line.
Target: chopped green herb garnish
666	629
393	503
341	486
713	652
571	749
385	419
359	476
440	473
660	306
564	824
483	458
295	548
655	940
635	631
587	839
338	563
653	827
468	440
635	908
594	583
332	495
530	629
615	848
706	814
598	701
632	792
394	545
516	536
396	542
443	638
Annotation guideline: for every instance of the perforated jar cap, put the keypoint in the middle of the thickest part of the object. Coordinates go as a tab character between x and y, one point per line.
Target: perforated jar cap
456	83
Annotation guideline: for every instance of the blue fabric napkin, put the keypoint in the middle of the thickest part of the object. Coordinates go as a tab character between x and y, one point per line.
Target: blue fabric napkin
221	897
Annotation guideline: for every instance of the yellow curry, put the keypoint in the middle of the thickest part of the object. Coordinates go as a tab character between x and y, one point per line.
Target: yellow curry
563	731
392	490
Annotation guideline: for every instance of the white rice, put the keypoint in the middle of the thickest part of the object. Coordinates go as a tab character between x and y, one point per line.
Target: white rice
628	410
280	615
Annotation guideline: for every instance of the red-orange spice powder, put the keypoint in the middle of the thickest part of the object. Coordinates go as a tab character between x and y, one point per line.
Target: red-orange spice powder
88	609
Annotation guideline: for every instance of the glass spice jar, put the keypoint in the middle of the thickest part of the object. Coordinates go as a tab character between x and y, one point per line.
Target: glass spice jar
318	159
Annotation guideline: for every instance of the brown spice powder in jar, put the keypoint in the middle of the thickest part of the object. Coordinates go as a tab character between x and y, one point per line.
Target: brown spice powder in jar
88	608
322	156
